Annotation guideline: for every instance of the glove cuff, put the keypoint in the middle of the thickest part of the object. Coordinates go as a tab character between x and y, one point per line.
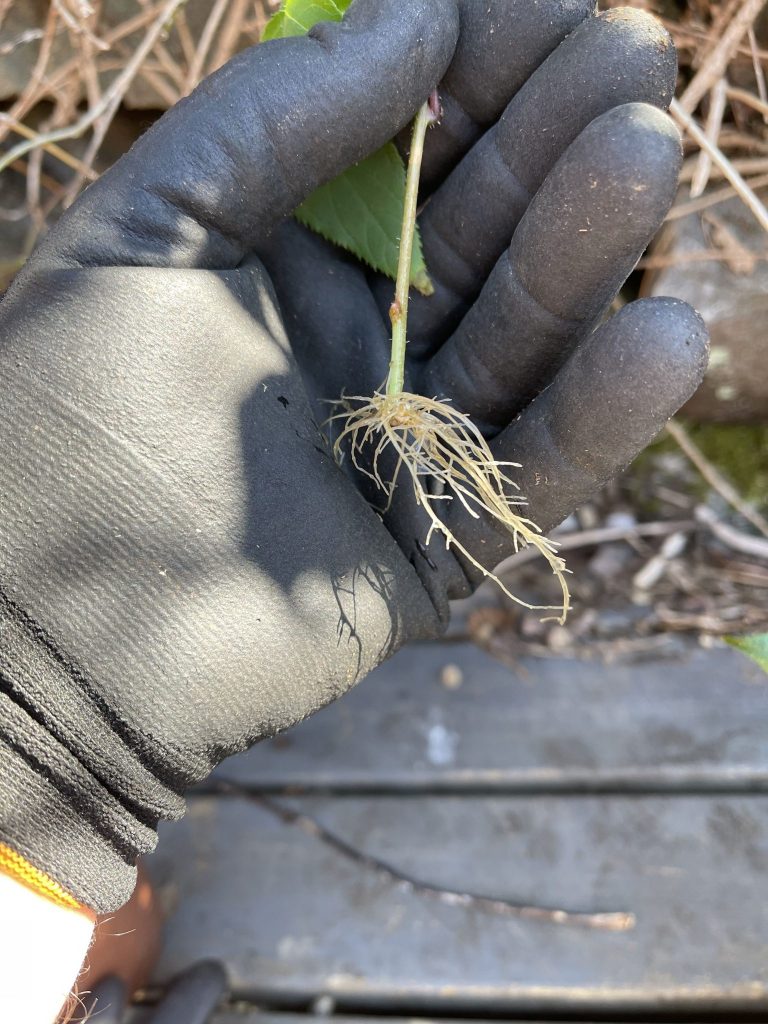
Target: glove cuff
14	866
75	802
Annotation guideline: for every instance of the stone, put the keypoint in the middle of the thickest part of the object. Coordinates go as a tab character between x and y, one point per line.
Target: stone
732	296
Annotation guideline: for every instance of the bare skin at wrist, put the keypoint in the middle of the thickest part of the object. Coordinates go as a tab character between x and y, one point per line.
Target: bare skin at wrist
126	944
42	949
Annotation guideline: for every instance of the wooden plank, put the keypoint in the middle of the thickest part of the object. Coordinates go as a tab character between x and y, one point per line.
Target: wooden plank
293	915
243	1015
695	724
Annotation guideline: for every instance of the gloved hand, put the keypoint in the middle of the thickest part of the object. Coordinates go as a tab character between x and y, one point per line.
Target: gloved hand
183	568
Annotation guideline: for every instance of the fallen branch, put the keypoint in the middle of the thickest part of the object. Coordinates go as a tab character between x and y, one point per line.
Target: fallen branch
744	165
720	56
749	99
229	36
680	259
743	190
111	98
31	35
717	623
687	35
712	129
735	539
612	921
712	199
79	26
50	147
600	535
759	73
646	578
195	69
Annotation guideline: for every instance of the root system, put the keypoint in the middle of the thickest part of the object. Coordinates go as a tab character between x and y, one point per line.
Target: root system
446	458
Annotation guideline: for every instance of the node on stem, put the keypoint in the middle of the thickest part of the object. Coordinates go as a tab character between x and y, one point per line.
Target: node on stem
430	439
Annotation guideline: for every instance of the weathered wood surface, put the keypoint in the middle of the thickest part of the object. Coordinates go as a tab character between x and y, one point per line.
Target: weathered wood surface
245	1015
698	723
566	786
292	916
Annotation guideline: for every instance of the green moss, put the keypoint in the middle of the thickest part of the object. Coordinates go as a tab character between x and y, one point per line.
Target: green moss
739	452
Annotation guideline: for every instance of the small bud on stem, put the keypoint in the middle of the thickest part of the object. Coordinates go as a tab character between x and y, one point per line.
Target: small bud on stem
435	106
429	438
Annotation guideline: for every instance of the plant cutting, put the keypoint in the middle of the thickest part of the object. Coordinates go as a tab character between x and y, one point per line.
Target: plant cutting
360	210
436	446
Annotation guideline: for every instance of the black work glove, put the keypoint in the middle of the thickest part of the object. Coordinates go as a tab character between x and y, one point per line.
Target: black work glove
184	569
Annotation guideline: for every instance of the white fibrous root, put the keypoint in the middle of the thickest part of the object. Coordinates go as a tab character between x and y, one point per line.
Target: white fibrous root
446	458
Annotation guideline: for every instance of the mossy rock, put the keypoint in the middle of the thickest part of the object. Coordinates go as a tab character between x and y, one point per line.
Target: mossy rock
738	451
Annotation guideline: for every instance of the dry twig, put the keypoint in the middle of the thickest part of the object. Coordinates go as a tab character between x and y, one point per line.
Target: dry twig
762	91
50	147
719	158
743	96
744	165
197	65
111	98
717	104
715	478
230	34
600	535
712	199
718	59
677	259
742	542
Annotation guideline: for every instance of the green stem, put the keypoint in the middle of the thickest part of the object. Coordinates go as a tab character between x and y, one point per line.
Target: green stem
398	312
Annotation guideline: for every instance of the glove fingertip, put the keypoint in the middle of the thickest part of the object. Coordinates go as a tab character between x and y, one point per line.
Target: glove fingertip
612	398
671	344
643	38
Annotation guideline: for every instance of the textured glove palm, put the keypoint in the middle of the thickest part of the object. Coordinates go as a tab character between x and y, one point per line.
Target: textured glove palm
183	568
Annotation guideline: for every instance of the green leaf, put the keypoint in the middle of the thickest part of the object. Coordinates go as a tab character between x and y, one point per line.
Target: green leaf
296	17
755	647
362	209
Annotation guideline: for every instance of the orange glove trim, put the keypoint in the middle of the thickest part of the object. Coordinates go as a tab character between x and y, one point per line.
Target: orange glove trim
16	867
